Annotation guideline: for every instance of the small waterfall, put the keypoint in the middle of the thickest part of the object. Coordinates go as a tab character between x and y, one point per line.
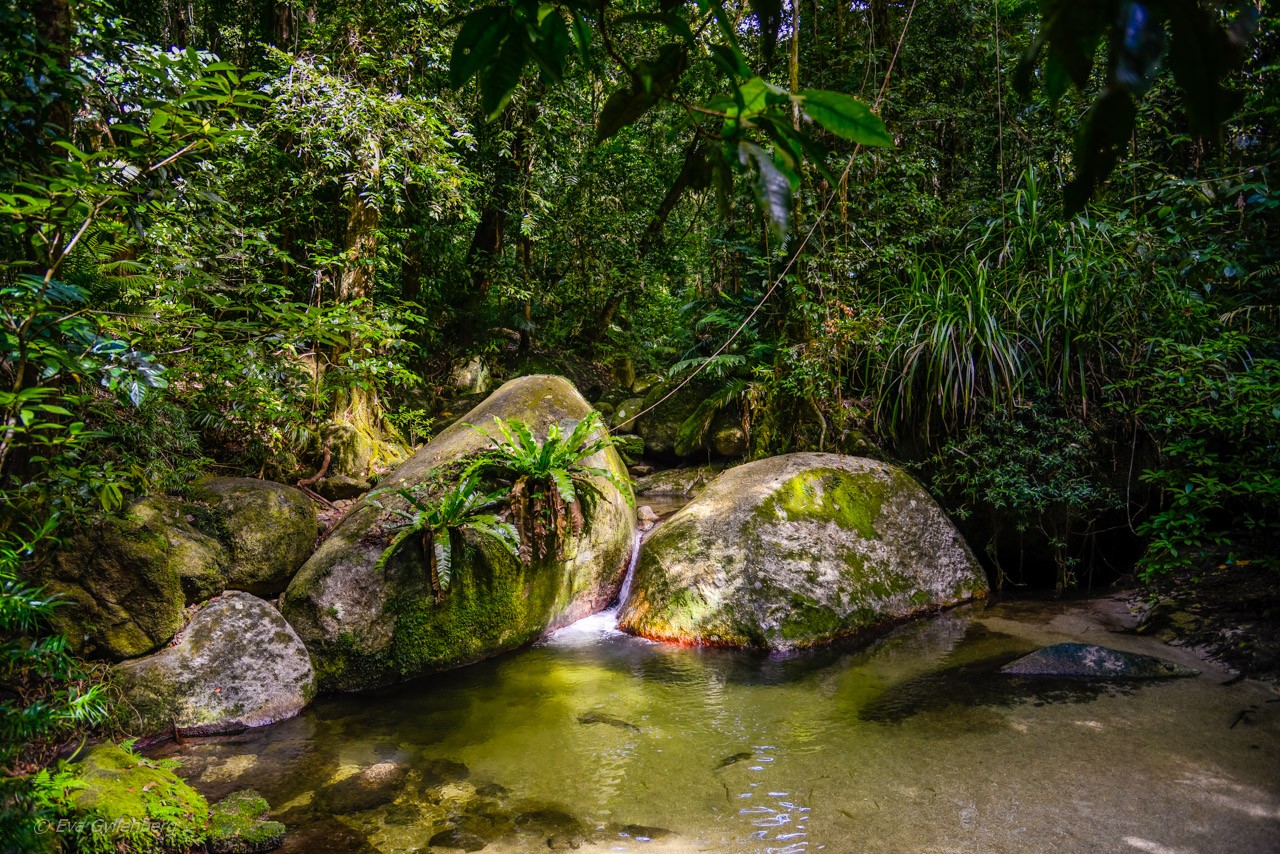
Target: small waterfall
625	592
606	622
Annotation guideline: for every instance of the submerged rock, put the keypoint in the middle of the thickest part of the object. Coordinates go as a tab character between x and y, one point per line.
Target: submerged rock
366	628
643	833
238	824
366	789
607	719
1086	661
796	550
549	822
237	665
457	839
734	759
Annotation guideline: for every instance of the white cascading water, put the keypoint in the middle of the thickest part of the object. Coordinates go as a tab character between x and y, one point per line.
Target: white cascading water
606	622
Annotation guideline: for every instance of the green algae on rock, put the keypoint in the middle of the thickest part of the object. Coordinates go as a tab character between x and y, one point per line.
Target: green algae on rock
122	802
238	825
237	665
796	550
366	628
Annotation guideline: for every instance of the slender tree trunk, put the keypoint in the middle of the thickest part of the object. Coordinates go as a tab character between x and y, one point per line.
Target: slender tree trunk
53	24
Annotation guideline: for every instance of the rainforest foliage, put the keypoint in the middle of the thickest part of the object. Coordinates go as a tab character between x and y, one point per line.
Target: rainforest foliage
1028	249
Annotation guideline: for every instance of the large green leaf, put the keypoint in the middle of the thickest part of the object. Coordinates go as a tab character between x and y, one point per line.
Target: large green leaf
772	187
845	116
480	32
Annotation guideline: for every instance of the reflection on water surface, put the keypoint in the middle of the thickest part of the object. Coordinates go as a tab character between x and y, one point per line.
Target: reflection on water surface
596	741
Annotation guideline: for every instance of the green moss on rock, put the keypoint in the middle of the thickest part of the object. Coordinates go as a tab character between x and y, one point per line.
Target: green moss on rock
269	530
797	550
123	592
238	825
122	802
367	627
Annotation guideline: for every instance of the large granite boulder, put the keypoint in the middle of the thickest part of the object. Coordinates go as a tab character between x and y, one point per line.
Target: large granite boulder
269	530
366	627
238	664
796	550
126	578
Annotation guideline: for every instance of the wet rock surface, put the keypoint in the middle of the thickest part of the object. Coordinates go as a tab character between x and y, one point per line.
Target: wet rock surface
1088	661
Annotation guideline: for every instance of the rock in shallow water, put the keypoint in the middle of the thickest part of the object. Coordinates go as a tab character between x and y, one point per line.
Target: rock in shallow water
238	825
367	628
796	550
458	840
1086	661
238	664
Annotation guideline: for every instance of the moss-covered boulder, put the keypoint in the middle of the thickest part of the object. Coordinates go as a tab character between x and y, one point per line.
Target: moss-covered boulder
238	664
366	627
624	417
681	481
238	824
269	529
796	550
660	426
124	802
121	583
201	559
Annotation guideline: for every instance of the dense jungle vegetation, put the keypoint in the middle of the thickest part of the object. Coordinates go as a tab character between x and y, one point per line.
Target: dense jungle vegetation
263	238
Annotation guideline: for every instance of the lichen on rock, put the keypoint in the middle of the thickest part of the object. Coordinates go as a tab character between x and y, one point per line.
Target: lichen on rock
797	550
237	665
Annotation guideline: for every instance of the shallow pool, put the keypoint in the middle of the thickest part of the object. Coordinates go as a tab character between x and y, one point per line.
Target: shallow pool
597	741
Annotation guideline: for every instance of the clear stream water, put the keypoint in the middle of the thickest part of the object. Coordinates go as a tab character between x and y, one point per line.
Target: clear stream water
910	743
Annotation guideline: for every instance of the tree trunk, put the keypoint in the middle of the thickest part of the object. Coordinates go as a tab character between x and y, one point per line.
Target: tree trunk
53	25
361	248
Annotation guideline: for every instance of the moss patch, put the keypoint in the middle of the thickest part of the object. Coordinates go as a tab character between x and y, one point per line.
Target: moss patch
117	801
238	825
852	501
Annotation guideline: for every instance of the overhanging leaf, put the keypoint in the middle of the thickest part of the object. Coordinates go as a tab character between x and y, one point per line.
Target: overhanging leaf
846	117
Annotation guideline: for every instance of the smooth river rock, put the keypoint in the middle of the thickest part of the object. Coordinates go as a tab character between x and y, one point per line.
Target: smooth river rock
1087	661
797	550
238	664
366	628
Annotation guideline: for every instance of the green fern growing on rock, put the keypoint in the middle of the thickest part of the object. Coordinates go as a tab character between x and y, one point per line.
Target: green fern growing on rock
440	522
550	479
